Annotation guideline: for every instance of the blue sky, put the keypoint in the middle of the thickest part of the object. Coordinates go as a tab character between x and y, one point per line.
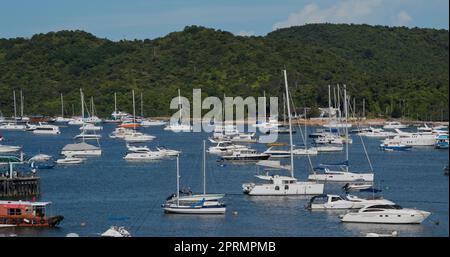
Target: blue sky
141	19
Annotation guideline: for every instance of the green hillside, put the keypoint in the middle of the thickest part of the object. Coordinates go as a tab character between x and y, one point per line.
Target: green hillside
399	71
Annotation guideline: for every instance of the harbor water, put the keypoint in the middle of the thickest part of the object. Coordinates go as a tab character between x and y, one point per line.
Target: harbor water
108	190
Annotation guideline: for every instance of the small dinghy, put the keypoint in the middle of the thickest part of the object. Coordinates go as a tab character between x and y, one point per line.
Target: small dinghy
115	231
393	234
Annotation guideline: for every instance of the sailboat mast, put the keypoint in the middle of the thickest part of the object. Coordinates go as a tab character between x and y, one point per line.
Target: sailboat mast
115	102
329	105
290	124
142	106
15	111
82	103
346	128
204	168
134	108
62	106
21	103
284	109
339	104
92	106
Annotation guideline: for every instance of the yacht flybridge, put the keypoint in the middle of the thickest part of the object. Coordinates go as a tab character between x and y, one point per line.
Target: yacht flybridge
336	202
283	185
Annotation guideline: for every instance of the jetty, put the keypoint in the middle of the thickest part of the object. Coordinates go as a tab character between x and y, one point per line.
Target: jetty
14	184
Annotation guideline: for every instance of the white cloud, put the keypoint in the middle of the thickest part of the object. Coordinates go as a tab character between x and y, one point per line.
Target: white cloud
345	11
403	18
245	33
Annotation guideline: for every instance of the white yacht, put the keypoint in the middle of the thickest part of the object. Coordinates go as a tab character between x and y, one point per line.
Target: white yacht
412	139
87	136
46	129
225	148
91	127
76	121
138	137
394	125
328	148
121	132
149	123
81	149
280	153
376	132
336	202
167	152
144	156
283	185
245	155
385	214
115	231
9	148
13	126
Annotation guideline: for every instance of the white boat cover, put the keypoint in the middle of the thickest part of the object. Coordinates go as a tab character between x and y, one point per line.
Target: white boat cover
80	147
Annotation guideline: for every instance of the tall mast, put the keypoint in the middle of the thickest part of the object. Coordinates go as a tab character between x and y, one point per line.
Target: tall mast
364	107
82	103
92	106
204	168
21	104
62	106
142	106
15	110
346	128
115	102
134	108
339	103
290	124
284	109
329	105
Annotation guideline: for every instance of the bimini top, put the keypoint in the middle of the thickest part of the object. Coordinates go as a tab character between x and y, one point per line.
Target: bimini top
79	147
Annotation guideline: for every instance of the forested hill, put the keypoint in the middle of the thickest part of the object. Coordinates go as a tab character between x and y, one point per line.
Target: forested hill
396	70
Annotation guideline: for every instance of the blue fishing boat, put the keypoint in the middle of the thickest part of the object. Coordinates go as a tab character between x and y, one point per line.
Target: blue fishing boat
441	141
394	146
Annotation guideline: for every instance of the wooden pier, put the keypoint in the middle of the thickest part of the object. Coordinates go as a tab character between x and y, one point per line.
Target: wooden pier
19	186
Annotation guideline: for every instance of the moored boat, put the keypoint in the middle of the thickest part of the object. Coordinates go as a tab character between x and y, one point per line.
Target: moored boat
27	214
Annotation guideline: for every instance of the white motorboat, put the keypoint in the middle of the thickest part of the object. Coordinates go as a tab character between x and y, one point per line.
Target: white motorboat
149	123
90	127
81	149
120	132
376	133
13	127
9	148
138	149
46	129
115	231
167	152
144	156
336	202
225	148
393	234
394	125
76	121
87	136
70	160
328	148
40	158
411	139
385	214
283	185
280	153
138	137
245	155
243	138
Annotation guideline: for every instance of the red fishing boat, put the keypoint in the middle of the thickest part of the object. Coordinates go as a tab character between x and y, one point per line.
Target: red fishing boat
26	214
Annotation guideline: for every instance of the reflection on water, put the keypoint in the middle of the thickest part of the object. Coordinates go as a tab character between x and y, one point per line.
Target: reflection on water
108	190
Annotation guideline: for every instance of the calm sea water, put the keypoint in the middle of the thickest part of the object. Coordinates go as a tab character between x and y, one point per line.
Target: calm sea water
109	191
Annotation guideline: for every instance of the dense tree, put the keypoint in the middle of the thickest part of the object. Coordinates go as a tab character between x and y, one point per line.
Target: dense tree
397	70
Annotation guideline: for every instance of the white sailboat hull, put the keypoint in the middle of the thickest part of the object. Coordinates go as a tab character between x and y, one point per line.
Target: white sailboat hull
189	210
298	188
341	177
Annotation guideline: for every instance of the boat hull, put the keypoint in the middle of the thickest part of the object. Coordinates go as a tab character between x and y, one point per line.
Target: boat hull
346	177
299	188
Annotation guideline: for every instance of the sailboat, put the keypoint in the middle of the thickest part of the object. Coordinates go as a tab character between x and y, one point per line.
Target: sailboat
61	118
283	185
189	203
136	137
179	126
342	175
79	120
13	125
117	116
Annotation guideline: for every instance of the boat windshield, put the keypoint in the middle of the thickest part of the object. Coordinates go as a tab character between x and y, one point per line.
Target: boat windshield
385	206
